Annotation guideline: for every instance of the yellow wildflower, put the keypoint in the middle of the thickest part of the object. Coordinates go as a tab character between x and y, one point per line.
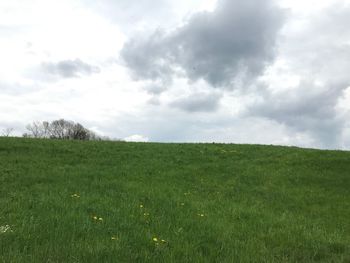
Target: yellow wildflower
100	219
113	238
155	239
141	206
95	217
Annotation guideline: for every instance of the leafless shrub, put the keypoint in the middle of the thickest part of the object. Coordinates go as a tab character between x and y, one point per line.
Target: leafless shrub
7	132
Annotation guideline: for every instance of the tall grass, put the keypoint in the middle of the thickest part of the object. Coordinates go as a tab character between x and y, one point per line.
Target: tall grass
69	201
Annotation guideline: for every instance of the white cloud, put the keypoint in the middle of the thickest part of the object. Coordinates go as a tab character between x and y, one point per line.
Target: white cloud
136	138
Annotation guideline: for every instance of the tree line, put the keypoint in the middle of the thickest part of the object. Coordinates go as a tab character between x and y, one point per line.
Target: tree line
62	130
58	129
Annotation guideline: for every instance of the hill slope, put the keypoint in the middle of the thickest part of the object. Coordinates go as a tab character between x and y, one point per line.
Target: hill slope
69	201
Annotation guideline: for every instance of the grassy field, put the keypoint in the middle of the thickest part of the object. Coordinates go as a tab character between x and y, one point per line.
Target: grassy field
69	201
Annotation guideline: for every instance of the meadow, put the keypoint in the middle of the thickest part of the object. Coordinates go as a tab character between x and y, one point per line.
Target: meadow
76	201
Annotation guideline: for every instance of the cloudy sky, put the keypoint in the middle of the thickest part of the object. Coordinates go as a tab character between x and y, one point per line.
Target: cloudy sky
252	71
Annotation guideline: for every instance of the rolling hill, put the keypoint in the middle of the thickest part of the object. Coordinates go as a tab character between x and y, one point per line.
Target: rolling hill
74	201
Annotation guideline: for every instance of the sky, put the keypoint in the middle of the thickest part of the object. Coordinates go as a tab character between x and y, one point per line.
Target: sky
231	71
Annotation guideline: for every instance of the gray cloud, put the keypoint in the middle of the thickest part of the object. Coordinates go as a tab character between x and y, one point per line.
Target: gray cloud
198	102
155	88
225	47
320	56
154	101
307	109
70	68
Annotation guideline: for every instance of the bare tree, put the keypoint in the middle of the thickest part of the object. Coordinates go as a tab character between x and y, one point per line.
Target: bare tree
57	129
46	129
60	129
7	132
35	130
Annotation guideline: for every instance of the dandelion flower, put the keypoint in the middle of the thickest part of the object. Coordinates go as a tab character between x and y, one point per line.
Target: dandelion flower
141	206
95	217
100	219
155	239
163	241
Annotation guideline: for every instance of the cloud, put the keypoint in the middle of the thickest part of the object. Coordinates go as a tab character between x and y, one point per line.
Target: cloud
124	11
70	68
198	102
17	88
143	15
9	30
309	108
317	46
232	44
294	69
155	88
318	56
136	138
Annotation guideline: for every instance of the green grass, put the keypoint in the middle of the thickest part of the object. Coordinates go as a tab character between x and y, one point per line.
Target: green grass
209	202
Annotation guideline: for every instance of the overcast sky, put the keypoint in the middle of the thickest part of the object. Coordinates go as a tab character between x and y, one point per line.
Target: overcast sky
252	71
